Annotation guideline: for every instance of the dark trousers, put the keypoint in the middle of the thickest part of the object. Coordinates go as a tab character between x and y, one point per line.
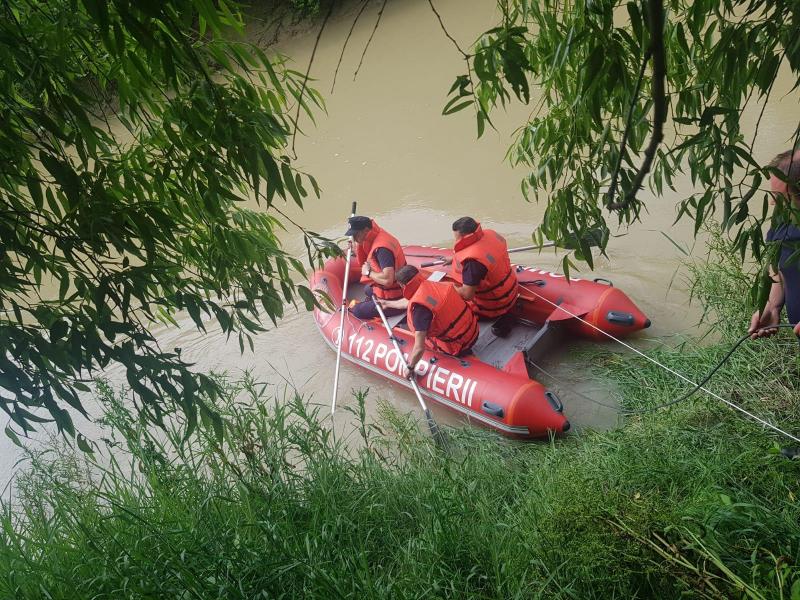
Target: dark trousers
365	310
791	290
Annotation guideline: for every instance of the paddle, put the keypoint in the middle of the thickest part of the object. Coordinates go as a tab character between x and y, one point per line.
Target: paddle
341	321
438	434
593	238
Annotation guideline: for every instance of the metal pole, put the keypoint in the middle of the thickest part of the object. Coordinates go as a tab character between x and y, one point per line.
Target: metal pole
437	433
341	321
533	247
510	250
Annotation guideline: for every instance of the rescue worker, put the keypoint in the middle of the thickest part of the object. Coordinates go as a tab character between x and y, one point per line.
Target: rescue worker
380	255
785	290
437	315
481	264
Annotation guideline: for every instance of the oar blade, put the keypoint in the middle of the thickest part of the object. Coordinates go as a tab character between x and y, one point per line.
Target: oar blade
438	435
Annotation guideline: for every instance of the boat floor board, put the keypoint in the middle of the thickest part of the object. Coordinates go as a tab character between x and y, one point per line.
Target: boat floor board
498	351
395	320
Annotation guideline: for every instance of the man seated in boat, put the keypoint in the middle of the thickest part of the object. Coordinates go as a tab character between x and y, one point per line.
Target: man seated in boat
481	264
380	255
437	315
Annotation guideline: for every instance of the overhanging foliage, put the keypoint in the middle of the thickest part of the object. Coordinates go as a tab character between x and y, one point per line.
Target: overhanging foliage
614	78
133	135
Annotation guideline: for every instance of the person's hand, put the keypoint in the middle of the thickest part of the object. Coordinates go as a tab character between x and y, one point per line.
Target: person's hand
797	330
365	269
762	324
408	372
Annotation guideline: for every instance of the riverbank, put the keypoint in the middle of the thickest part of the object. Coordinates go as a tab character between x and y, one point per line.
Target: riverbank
691	500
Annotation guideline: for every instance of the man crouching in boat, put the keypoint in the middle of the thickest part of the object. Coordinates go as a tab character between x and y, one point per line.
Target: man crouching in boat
437	315
380	255
482	265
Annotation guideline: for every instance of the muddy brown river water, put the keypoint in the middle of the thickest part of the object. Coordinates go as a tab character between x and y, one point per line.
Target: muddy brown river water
385	144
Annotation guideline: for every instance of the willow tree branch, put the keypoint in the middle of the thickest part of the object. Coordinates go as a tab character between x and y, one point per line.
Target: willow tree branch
346	40
466	56
308	70
447	33
766	101
656	26
369	41
745	198
612	189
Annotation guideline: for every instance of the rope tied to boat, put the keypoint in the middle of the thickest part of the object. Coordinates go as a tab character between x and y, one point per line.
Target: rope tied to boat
696	386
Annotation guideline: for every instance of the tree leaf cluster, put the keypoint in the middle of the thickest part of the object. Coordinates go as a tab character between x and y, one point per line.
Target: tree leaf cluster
136	138
595	112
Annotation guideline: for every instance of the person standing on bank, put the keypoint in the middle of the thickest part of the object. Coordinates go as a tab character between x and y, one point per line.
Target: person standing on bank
481	264
380	255
785	289
438	316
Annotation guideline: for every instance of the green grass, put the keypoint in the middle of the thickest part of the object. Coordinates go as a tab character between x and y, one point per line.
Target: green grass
691	501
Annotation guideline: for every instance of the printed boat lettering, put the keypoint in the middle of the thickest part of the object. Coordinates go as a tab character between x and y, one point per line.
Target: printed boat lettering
450	384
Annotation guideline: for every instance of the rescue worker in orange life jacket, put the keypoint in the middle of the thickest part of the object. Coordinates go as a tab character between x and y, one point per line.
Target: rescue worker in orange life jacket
439	318
482	265
380	255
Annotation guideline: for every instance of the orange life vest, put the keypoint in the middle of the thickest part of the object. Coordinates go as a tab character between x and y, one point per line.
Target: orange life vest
454	327
497	293
378	238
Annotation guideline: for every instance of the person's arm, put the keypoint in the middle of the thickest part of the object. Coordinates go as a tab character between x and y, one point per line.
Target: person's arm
416	352
384	278
401	303
467	292
384	275
472	274
771	315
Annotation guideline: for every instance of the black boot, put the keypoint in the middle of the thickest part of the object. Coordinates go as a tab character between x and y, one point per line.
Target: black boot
502	327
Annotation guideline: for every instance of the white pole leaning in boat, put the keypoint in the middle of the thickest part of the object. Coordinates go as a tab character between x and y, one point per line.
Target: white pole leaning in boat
344	313
437	433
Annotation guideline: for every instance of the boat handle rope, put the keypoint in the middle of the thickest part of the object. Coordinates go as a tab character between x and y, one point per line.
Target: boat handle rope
685	396
560	382
697	386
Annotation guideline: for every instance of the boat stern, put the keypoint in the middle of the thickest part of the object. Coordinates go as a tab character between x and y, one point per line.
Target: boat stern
616	314
538	409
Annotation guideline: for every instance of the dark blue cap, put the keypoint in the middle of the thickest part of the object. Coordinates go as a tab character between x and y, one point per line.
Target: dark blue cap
357	224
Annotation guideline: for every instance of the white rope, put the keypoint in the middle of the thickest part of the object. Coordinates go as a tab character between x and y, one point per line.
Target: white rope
666	368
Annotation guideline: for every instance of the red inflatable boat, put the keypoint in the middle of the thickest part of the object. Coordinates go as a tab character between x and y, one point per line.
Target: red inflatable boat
491	386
